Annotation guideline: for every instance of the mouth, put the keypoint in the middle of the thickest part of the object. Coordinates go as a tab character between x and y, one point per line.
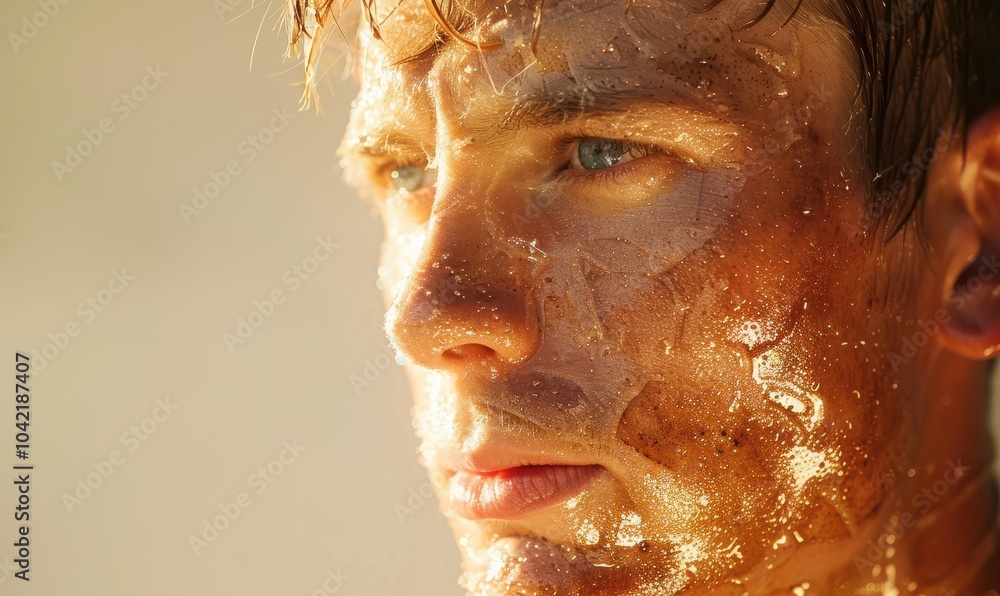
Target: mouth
517	492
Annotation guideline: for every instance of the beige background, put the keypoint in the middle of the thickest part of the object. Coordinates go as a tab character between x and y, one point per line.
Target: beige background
334	507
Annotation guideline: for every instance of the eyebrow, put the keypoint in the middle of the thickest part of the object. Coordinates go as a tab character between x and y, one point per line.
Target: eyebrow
547	109
540	108
532	111
540	111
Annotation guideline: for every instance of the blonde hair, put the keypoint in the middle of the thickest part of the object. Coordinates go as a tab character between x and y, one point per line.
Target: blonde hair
310	22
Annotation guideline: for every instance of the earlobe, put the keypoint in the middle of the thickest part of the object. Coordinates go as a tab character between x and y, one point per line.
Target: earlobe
964	198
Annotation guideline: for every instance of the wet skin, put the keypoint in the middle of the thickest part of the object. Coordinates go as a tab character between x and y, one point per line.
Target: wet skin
699	314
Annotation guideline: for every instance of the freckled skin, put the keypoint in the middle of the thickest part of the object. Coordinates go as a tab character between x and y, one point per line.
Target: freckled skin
702	324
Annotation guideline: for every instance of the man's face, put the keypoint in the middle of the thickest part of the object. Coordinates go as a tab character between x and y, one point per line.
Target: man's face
624	261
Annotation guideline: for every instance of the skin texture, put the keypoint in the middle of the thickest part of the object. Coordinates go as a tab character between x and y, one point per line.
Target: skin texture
709	321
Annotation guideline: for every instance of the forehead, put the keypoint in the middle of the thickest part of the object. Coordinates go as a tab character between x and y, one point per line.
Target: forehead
581	56
587	41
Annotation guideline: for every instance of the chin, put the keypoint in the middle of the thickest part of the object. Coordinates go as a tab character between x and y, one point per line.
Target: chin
529	564
548	553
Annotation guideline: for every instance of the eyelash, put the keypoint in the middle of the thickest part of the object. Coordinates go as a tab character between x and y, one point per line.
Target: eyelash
621	173
617	173
382	172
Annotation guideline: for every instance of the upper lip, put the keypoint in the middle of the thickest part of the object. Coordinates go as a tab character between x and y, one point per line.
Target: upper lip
491	459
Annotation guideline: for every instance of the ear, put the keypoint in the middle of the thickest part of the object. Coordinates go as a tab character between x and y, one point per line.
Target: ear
962	222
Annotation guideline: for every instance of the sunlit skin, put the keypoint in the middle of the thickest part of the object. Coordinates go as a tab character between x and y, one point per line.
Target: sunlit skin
637	243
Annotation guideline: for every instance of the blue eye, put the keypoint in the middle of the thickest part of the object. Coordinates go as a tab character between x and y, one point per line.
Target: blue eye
599	154
409	178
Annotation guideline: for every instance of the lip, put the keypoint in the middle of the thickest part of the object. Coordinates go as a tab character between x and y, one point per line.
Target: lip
513	493
504	454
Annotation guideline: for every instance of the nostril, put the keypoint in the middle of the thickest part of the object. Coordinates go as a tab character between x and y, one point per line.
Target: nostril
469	352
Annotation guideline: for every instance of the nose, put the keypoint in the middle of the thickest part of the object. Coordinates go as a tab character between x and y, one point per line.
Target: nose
467	304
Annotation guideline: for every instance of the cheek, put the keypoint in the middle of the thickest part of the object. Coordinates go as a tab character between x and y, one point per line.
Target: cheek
702	433
758	502
761	387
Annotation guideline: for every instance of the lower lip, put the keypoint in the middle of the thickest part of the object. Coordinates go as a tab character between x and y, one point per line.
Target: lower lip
516	492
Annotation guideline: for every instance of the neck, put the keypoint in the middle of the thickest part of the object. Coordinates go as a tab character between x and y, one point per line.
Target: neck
942	536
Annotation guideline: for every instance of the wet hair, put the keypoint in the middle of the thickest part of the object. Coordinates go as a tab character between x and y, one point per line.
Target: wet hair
927	69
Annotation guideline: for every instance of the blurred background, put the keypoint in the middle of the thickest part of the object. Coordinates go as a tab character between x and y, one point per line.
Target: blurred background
214	406
156	192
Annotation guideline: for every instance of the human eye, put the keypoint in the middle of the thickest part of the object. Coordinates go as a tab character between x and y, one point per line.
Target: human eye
609	173
596	153
407	188
406	178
